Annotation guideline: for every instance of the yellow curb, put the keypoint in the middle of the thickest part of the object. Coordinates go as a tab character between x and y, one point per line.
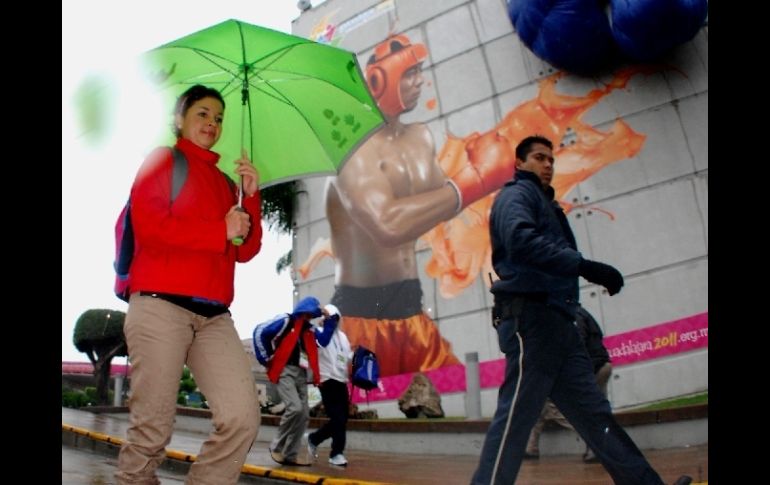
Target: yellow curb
246	469
92	434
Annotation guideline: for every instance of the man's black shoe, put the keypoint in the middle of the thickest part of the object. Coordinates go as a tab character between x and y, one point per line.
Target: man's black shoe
531	456
683	480
590	457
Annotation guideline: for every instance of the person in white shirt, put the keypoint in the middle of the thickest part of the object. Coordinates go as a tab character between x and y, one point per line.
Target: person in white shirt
334	365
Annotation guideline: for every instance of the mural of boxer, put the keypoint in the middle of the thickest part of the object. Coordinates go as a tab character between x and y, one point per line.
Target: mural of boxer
395	189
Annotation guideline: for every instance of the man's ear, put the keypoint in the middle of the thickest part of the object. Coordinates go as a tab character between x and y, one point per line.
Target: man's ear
178	120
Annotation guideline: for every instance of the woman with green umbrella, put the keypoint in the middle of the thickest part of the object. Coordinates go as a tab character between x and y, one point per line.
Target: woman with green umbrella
181	284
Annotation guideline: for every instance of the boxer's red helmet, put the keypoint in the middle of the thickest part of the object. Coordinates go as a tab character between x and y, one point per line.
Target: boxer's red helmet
385	68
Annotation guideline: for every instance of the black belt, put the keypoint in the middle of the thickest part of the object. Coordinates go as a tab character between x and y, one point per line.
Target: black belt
196	306
510	305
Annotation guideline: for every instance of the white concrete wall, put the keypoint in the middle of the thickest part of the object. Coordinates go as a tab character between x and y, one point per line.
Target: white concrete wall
478	71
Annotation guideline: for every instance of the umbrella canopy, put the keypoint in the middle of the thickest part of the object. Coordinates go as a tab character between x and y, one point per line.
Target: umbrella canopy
298	107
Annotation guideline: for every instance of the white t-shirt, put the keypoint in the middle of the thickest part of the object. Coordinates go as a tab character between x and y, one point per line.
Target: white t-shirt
333	359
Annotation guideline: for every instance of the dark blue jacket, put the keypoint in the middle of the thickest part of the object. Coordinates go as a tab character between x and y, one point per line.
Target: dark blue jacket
533	248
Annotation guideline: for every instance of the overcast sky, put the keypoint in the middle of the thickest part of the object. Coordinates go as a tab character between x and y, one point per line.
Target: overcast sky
101	41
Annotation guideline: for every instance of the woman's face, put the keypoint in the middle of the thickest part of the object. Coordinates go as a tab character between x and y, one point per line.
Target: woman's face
202	123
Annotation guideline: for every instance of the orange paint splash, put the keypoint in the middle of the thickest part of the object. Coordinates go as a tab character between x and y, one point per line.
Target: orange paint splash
554	116
320	250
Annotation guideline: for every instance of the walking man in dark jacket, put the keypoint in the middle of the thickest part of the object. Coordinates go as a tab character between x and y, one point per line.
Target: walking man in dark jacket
535	255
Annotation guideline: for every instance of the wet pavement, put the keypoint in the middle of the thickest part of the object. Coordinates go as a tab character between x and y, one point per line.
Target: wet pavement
83	467
80	466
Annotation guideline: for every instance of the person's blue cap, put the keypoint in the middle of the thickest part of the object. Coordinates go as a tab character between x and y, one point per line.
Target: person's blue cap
309	304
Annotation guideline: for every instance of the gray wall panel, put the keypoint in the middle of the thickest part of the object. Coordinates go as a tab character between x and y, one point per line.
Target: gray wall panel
414	12
506	62
652	228
691	73
490	17
658	379
694	115
479	117
702	194
658	296
449	35
462	81
338	11
664	156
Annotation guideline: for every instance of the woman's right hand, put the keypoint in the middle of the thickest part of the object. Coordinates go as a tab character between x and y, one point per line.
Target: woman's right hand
238	223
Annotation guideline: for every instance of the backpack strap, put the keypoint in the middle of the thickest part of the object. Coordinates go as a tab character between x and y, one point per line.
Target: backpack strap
179	174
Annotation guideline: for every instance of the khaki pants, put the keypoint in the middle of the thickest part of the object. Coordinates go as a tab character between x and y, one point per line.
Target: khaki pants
292	387
161	338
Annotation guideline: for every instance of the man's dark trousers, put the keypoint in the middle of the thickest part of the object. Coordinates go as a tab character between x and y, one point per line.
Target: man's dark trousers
546	357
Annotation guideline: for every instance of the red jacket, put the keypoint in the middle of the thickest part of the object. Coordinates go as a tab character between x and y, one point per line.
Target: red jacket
301	328
182	249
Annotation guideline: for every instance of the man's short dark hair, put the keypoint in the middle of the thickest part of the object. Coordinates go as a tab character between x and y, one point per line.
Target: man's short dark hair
525	145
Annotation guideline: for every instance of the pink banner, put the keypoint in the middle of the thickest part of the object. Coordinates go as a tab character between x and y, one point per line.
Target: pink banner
657	341
87	368
446	379
638	345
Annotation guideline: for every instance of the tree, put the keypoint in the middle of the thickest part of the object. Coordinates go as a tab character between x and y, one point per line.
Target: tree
278	211
99	334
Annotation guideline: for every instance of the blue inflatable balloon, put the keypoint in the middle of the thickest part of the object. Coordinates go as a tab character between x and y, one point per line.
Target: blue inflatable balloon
577	35
573	35
644	30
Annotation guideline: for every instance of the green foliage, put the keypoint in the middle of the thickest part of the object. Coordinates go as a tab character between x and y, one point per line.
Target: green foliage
91	394
188	394
98	329
73	399
99	334
278	211
283	262
278	206
676	402
77	399
187	385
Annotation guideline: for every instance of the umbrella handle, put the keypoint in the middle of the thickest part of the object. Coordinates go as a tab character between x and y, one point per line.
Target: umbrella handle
238	240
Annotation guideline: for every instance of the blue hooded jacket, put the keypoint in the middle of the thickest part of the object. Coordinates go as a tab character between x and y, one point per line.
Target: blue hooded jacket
267	336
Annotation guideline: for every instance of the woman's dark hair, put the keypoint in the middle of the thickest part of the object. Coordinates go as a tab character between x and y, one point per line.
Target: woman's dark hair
189	97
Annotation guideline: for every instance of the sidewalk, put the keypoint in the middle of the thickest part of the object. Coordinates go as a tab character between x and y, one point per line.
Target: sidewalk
89	430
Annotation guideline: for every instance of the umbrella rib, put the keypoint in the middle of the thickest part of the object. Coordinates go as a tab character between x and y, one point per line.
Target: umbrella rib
210	57
298	111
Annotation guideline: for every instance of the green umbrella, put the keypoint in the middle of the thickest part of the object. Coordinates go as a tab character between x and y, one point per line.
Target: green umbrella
299	108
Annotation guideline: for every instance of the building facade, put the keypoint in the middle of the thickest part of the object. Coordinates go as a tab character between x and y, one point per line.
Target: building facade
634	167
